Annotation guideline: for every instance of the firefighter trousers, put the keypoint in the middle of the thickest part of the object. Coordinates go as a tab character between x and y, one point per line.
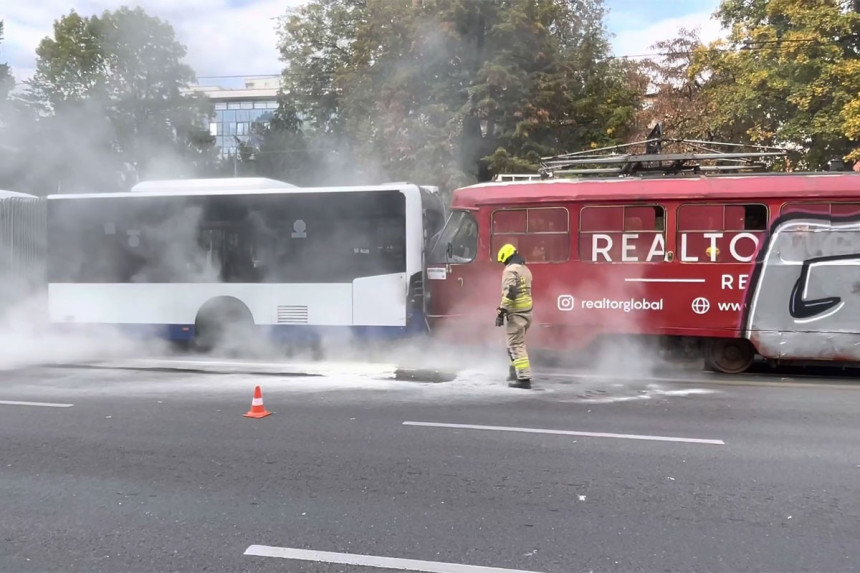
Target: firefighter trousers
517	325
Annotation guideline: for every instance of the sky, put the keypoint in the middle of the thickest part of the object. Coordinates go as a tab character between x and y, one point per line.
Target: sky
229	39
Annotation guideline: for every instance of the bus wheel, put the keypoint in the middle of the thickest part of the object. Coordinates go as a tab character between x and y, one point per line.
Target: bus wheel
222	322
729	355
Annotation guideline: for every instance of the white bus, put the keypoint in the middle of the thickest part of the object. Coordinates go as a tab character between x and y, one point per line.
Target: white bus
22	246
191	260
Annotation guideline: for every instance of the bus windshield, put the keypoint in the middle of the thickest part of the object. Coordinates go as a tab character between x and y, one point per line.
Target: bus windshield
458	242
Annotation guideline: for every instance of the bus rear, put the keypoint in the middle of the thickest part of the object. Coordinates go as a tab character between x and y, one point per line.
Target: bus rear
22	242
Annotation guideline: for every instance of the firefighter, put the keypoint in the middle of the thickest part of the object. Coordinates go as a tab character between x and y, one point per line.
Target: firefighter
516	307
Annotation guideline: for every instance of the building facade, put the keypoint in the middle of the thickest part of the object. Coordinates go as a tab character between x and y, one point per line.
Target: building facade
237	110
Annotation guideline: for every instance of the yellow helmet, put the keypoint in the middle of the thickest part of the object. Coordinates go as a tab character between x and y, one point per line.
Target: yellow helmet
506	252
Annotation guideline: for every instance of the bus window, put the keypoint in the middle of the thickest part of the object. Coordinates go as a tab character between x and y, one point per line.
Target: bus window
720	233
336	237
622	233
458	243
540	234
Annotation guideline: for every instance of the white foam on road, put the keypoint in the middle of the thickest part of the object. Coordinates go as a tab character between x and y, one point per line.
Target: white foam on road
569	433
381	370
372	561
42	404
347	380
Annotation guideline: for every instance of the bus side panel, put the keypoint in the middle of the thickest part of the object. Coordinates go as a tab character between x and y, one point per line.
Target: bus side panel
379	301
178	303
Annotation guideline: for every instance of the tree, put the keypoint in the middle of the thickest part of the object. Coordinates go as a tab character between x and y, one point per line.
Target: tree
111	88
789	75
402	87
676	93
7	81
282	151
9	127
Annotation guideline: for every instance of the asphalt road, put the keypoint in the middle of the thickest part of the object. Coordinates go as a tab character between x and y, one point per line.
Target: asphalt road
157	470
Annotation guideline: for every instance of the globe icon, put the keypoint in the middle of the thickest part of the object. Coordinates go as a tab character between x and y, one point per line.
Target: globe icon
701	305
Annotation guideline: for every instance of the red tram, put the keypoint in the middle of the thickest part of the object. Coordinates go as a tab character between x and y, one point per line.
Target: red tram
731	264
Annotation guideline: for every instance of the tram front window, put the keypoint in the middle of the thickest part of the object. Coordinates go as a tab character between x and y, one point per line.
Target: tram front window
458	243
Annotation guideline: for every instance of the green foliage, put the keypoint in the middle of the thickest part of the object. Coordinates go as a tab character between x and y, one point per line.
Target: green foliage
452	91
110	87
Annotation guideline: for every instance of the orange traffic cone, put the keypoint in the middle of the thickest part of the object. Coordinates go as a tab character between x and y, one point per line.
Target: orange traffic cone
257	410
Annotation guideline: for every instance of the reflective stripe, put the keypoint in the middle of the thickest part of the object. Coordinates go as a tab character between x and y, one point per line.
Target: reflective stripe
523	300
521	363
521	304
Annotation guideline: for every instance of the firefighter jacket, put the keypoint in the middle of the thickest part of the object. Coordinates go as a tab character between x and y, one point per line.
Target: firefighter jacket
516	289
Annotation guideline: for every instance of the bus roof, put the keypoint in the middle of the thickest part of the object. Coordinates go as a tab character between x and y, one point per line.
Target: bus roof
241	183
205	191
639	189
4	194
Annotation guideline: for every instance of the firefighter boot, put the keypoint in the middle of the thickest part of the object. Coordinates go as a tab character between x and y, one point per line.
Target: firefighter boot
524	384
512	374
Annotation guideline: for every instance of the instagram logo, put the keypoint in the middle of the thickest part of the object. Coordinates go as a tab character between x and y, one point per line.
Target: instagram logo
565	303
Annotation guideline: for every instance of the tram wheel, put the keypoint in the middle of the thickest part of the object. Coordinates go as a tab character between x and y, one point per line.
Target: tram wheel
729	355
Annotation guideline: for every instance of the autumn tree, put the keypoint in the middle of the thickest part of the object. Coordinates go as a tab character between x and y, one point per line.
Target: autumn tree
675	92
789	74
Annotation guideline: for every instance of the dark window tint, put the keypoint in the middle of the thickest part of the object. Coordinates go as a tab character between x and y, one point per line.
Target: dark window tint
296	237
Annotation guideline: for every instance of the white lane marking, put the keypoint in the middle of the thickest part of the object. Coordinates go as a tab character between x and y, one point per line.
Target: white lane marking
371	561
568	433
43	404
664	280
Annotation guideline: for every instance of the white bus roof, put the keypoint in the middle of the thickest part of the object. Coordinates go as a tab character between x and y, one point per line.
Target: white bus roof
15	195
204	191
240	183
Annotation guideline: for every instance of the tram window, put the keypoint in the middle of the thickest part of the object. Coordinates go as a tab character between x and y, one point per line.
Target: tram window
513	221
622	218
597	219
720	233
845	209
644	218
540	234
833	209
537	248
806	208
722	217
551	220
745	218
628	233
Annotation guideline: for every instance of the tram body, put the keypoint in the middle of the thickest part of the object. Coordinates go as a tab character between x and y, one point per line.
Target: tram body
732	265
